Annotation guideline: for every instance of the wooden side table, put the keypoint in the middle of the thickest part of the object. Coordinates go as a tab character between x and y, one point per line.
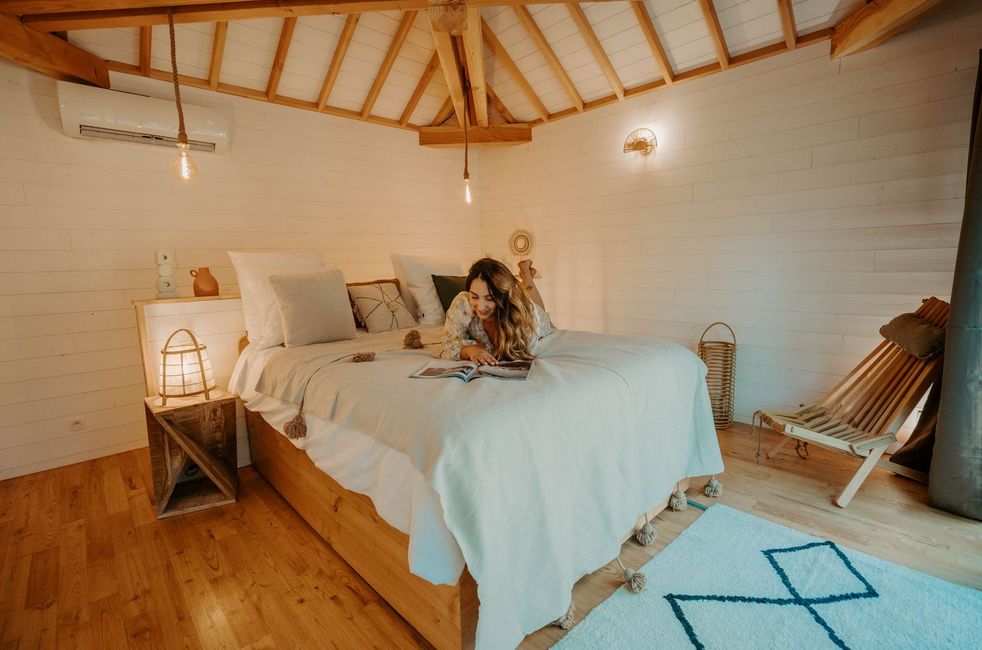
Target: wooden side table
192	453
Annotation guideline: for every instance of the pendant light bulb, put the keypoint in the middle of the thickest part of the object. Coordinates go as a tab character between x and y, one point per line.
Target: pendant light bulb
183	167
467	189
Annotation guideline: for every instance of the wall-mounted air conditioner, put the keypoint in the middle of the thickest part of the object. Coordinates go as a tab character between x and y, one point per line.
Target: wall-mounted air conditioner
88	112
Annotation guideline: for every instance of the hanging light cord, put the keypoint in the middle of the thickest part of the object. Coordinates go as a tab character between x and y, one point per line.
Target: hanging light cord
467	89
182	136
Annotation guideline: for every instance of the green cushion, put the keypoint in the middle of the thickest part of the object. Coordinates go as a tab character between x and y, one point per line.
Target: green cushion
447	287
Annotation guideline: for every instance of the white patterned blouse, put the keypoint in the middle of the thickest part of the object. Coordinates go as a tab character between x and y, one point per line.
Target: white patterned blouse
464	328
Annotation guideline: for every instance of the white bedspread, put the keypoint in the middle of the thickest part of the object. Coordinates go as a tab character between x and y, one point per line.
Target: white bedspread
538	479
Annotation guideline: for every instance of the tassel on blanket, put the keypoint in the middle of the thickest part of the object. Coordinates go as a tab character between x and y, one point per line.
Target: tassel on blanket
678	501
713	487
635	581
296	428
647	533
360	357
413	340
567	620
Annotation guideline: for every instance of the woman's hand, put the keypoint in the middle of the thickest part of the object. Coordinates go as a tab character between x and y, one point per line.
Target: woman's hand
478	355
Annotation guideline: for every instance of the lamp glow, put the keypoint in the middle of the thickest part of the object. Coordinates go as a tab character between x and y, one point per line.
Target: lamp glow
183	167
467	189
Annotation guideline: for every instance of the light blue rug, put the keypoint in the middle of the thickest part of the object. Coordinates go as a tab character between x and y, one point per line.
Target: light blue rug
732	580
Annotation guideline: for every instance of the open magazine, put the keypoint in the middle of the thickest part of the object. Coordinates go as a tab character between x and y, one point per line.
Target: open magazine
468	370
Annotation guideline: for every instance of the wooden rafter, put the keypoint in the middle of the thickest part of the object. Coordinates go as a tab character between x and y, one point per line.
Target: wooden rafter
502	55
586	30
208	11
446	110
146	45
49	54
337	58
390	58
500	106
424	81
546	50
648	28
453	136
282	49
450	65
217	54
788	25
715	33
876	22
474	59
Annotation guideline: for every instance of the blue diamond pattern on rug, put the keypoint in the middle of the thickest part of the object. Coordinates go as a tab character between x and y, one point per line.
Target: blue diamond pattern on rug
733	580
795	598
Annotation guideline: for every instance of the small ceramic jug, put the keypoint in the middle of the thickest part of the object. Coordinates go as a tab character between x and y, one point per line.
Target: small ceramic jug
205	283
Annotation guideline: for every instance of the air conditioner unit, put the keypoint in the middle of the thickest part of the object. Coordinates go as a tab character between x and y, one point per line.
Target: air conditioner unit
88	112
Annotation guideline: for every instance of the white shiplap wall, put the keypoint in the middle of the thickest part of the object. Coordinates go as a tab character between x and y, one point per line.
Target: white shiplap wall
802	200
80	221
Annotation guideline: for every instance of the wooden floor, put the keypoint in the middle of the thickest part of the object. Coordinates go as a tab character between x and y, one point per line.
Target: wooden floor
84	563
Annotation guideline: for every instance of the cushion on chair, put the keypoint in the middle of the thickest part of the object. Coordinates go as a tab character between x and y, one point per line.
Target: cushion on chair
916	336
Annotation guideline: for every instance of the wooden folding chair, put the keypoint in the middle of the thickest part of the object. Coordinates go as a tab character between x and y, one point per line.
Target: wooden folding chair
863	413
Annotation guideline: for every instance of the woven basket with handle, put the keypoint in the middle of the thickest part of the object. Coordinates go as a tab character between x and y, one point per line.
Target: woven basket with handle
720	359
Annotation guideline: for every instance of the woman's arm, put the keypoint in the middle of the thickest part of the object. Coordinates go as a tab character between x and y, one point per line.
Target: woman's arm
456	338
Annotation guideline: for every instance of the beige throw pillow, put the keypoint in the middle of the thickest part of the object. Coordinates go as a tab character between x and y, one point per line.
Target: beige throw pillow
314	307
381	307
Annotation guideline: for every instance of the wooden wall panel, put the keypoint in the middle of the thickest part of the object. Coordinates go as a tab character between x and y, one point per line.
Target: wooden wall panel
80	221
805	202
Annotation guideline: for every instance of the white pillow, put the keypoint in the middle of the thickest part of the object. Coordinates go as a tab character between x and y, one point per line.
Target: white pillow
314	307
416	285
262	315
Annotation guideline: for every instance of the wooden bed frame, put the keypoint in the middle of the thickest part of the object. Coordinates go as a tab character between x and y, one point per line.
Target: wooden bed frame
446	616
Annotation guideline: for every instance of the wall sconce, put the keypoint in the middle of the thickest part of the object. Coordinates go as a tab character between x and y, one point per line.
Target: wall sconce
641	141
185	369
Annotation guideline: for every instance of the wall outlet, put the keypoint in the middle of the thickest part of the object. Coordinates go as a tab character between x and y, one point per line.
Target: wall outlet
78	424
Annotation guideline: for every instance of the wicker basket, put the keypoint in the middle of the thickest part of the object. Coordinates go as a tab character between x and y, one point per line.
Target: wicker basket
720	359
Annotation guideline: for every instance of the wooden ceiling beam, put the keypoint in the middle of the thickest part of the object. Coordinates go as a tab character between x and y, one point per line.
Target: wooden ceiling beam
390	58
715	33
146	45
788	25
85	16
217	53
497	135
648	28
442	115
500	106
260	95
586	30
279	60
424	81
451	68
506	61
474	58
337	58
546	50
49	54
876	22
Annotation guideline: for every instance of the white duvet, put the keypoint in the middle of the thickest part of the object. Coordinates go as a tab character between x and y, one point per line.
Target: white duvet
538	479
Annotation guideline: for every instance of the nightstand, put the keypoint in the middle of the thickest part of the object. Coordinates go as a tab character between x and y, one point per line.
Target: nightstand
192	452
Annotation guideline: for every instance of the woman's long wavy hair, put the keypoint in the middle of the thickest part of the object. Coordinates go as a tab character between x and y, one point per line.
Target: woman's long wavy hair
513	312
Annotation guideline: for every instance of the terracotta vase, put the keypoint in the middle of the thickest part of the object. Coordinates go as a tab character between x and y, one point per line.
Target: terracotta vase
205	283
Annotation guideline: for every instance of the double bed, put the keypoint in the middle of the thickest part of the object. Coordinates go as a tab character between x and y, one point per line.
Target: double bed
473	508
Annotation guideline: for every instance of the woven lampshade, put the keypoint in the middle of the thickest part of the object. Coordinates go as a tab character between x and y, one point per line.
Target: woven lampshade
449	16
185	369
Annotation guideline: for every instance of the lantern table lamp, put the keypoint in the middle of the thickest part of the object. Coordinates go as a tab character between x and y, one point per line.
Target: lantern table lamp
185	369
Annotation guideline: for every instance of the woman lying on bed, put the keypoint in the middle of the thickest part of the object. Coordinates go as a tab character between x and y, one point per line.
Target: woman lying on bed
496	318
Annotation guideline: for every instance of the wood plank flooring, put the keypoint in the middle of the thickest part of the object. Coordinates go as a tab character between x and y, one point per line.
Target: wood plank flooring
84	563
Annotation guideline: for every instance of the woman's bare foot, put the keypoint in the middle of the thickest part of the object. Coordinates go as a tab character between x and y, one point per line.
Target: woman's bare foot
527	272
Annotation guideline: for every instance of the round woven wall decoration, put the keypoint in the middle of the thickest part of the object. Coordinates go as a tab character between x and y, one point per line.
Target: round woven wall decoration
720	360
520	242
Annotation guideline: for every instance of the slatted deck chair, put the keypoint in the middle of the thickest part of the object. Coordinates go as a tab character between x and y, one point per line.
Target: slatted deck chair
863	413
